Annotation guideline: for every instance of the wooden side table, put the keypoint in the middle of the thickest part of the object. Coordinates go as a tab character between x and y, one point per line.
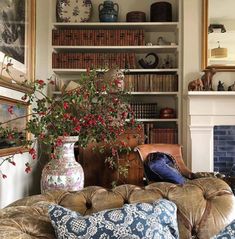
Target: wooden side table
231	182
98	173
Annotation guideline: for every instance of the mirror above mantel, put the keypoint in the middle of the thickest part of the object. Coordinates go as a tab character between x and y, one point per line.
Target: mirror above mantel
218	48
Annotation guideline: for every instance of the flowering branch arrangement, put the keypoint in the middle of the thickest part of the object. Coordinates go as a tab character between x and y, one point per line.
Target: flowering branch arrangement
97	110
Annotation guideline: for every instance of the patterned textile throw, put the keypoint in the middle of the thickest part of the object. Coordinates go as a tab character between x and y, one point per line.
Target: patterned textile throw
227	233
132	221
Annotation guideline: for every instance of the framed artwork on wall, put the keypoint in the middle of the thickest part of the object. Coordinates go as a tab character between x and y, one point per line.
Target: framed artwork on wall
10	109
17	42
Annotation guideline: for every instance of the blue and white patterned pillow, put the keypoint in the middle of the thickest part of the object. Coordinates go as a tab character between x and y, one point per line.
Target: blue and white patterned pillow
132	221
228	232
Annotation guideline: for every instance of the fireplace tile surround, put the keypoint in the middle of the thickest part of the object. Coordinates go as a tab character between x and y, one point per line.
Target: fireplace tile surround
224	149
207	109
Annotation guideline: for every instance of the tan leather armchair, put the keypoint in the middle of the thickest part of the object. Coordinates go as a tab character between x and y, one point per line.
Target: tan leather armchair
174	150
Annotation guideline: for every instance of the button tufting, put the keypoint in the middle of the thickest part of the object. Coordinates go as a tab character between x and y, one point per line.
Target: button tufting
126	201
88	205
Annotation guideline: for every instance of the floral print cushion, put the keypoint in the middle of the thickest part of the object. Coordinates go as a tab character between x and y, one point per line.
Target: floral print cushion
132	221
227	233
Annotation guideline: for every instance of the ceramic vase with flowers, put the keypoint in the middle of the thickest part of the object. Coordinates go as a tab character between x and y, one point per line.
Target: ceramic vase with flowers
96	111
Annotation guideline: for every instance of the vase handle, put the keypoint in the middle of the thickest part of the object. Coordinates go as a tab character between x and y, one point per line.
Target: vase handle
115	4
100	5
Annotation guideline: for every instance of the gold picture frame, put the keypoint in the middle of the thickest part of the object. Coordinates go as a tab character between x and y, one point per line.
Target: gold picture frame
18	109
17	50
205	41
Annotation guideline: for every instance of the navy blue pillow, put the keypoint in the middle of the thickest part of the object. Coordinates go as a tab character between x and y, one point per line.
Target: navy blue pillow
161	167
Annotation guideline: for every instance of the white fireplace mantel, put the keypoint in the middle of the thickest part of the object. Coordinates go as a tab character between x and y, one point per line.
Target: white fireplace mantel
206	110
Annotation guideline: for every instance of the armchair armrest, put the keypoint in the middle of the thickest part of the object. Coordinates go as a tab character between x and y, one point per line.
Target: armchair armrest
207	174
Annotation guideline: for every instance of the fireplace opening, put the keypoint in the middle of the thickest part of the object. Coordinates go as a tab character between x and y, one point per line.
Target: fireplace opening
224	149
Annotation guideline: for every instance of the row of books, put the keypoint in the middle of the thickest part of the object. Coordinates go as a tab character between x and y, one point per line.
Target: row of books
161	135
144	110
93	60
151	82
102	37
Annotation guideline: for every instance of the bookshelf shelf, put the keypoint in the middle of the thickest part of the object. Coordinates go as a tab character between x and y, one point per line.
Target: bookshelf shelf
157	120
137	93
77	71
147	26
137	49
154	93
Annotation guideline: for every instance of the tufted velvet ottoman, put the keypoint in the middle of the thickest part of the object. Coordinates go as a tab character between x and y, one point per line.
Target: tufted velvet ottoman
204	207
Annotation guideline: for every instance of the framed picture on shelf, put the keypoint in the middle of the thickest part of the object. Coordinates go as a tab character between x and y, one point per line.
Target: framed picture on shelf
9	110
17	42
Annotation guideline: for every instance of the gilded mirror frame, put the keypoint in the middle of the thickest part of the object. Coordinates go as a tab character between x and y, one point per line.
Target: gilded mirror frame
205	5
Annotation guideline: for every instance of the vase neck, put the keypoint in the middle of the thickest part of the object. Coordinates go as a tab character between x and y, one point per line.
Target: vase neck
65	152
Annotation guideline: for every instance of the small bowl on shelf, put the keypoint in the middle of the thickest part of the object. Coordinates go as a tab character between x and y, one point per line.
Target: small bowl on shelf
167	116
167	113
136	16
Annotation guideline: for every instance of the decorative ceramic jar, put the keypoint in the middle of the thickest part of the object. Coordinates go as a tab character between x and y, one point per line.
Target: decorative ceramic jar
161	12
107	11
63	171
150	61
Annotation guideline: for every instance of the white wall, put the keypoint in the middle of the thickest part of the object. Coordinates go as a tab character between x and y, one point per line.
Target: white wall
191	59
19	184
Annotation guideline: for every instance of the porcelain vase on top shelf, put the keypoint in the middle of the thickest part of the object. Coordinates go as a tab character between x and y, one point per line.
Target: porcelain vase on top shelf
107	11
63	171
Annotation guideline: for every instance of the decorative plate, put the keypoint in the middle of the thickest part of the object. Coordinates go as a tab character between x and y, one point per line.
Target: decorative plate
73	10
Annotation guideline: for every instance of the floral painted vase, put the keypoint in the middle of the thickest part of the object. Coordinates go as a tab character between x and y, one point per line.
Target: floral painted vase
63	171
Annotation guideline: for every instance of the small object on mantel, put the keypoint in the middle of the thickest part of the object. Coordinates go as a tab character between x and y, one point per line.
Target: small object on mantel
220	86
232	87
207	79
195	85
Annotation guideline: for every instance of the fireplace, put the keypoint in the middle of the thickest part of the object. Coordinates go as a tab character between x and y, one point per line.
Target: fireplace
224	149
206	110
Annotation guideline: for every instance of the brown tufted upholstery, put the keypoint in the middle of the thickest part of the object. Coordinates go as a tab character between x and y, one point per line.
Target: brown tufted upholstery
205	206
